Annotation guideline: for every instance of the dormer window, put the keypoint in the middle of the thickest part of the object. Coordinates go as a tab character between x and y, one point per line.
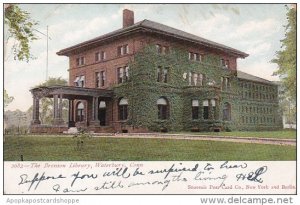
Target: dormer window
80	61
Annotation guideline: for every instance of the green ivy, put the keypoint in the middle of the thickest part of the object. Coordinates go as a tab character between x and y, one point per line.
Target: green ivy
142	91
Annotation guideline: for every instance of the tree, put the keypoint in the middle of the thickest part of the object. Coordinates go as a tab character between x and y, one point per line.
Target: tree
46	106
20	27
286	58
7	99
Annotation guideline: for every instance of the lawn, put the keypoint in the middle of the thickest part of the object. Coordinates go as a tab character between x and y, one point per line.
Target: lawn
282	134
46	148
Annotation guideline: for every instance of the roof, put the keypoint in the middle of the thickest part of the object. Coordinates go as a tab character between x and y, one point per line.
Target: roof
246	76
153	27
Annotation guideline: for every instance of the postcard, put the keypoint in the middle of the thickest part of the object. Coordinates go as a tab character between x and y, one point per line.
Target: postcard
104	99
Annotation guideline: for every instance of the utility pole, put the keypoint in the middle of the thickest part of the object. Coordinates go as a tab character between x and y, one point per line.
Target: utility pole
47	55
47	36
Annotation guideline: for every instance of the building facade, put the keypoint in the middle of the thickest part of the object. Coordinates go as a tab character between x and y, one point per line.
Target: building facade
150	77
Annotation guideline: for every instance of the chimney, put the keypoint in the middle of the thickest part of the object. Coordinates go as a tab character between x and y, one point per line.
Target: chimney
128	18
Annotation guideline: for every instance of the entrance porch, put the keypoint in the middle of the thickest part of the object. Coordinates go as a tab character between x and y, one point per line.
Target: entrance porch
88	108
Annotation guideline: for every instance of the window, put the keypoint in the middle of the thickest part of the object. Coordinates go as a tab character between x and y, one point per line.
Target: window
162	49
195	56
224	63
97	79
123	106
123	74
100	56
80	61
213	107
190	78
122	50
80	112
162	105
195	109
227	112
79	81
205	109
225	85
162	74
196	79
158	48
100	79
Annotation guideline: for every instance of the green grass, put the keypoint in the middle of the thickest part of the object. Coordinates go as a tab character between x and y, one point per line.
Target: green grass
283	134
45	148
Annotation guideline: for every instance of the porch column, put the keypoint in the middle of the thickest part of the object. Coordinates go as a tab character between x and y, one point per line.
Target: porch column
95	121
36	111
71	113
60	106
96	108
57	110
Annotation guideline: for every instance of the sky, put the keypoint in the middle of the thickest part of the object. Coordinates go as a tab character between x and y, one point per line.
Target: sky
252	28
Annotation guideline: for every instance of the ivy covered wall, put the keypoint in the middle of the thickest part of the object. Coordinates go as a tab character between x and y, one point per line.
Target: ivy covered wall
142	91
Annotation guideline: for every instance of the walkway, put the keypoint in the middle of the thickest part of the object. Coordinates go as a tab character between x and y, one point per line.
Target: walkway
274	141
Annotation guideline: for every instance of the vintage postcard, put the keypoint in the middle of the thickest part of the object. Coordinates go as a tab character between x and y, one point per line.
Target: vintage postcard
149	99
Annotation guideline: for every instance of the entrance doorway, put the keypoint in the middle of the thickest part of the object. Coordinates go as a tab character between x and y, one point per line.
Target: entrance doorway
102	113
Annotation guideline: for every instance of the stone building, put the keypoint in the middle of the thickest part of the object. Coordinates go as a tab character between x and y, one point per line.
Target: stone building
148	76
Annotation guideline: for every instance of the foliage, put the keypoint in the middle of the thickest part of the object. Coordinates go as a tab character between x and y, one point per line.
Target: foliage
143	90
46	104
20	27
7	99
57	148
80	138
286	58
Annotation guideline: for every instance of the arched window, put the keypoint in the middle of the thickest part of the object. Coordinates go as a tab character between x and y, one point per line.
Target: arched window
123	109
80	112
227	112
195	109
163	107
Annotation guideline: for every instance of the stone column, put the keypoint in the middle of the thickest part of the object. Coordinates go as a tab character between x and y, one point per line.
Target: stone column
35	111
96	108
57	110
60	106
71	113
55	107
95	121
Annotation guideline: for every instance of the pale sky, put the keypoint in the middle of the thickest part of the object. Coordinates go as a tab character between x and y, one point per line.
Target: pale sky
252	28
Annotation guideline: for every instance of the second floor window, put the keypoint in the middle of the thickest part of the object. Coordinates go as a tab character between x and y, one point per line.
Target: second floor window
79	81
123	74
196	79
80	61
100	56
100	79
122	50
225	83
162	74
